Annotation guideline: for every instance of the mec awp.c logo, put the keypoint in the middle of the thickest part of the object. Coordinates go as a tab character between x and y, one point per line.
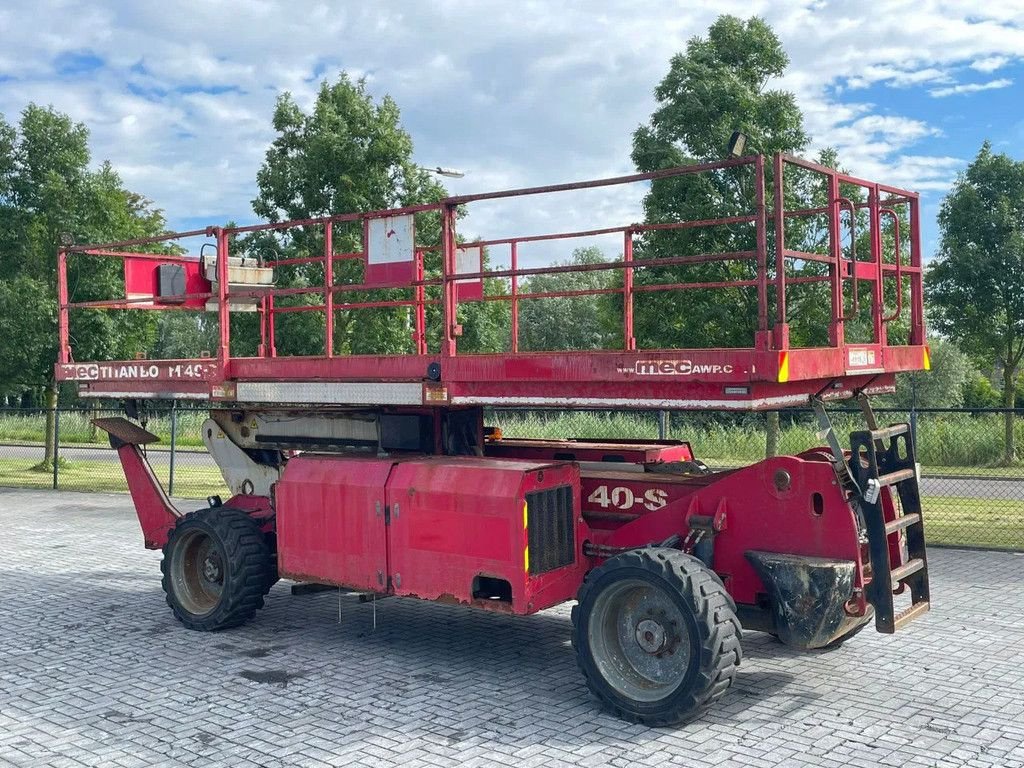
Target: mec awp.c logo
677	368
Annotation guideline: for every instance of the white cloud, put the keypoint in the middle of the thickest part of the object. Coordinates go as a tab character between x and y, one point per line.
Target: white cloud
955	90
990	63
898	78
516	94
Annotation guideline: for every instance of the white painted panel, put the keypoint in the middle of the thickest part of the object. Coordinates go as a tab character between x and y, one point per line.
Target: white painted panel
781	401
468	260
85	391
390	239
236	467
342	393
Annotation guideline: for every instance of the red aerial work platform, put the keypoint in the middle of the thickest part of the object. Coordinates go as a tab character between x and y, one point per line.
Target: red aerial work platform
769	373
377	473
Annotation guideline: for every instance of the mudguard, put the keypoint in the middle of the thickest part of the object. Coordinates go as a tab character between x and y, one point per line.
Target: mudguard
808	597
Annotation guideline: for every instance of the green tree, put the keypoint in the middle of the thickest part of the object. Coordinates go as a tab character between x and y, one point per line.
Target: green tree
185	335
48	192
944	386
718	85
348	154
979	393
976	282
584	322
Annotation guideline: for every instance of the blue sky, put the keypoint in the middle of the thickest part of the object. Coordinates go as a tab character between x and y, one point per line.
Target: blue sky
178	96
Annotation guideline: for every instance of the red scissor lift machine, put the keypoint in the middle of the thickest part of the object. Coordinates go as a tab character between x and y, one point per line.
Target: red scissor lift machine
376	472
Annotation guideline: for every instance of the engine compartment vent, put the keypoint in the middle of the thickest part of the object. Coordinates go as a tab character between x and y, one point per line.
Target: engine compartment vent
550	530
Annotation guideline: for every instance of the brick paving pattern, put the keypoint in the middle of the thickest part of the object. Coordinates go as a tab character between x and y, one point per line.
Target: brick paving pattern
94	670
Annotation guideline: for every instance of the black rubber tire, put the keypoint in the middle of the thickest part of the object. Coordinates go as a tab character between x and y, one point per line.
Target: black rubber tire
247	568
709	614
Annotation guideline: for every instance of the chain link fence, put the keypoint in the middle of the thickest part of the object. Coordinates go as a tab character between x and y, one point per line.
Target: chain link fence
81	459
972	495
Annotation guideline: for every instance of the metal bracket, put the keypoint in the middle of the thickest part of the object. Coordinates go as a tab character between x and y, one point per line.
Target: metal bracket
862	398
829	434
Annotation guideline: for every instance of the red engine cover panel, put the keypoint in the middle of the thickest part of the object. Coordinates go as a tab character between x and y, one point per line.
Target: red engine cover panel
330	521
429	527
456	518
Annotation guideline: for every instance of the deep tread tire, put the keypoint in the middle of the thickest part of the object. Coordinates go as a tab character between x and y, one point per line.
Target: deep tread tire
709	615
248	569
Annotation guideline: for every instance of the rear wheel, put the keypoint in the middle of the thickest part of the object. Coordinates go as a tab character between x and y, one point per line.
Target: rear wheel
217	567
656	636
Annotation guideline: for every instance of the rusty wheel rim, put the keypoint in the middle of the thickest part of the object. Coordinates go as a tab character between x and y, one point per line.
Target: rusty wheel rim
639	640
197	570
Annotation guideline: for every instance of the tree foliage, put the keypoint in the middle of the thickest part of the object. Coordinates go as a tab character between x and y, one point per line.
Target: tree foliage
944	386
580	322
49	192
976	283
718	85
348	154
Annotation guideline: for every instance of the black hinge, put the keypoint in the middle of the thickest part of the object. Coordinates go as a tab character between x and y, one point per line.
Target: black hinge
387	514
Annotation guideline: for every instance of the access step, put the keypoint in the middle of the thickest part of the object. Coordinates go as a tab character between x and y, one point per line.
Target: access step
899	476
911	613
906	570
902	522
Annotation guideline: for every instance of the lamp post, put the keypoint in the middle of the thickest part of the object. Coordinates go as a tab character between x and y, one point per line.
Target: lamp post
451	173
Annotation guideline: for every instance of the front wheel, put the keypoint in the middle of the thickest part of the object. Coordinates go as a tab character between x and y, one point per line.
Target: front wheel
656	636
217	567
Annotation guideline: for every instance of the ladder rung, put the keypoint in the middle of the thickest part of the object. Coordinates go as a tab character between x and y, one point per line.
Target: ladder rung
906	570
897	477
904	521
911	613
888	432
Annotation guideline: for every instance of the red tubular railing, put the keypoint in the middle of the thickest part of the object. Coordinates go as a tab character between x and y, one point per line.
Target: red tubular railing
843	202
899	271
769	335
876	208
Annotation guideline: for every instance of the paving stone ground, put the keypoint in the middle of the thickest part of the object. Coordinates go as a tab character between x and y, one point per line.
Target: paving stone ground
94	670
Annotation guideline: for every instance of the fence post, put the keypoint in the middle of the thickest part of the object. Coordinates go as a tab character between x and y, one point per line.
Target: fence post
174	441
662	425
771	435
56	446
913	413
